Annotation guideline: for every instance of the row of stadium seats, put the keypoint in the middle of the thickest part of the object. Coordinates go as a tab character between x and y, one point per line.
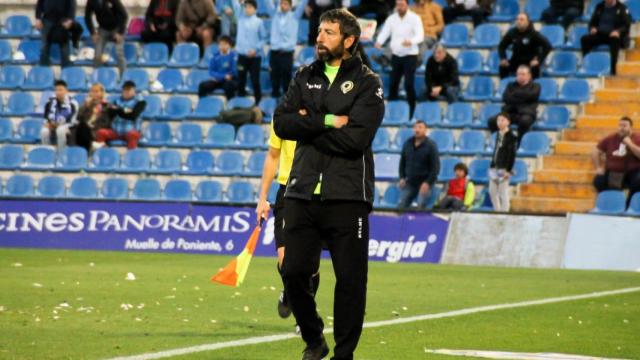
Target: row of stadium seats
614	202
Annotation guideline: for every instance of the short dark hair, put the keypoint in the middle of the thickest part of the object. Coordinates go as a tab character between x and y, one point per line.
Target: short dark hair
226	38
627	119
420	122
128	85
505	115
60	83
253	3
461	166
348	22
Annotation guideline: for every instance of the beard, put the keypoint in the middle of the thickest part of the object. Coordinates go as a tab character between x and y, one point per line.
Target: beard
325	54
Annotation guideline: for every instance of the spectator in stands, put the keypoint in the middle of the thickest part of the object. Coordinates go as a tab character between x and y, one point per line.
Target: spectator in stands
563	11
477	9
609	25
441	76
228	25
502	161
419	167
406	32
249	45
520	102
92	116
112	24
284	37
380	8
432	21
315	8
54	19
222	69
528	47
196	21
617	160
160	22
60	114
125	111
460	192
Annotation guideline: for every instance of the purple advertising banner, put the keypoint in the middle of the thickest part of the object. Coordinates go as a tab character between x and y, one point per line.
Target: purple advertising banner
191	228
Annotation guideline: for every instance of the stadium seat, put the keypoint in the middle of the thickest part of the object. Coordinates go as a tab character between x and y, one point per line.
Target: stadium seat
167	162
534	9
11	157
16	26
434	195
106	76
303	31
268	107
85	31
634	205
396	113
146	189
19	186
382	141
130	54
443	139
491	64
6	130
115	188
250	136
402	136
391	197
479	171
193	80
11	77
479	88
154	54
469	62
386	166
470	143
429	112
207	108
139	76
255	163
306	56
220	136
423	64
39	78
208	54
51	186
105	159
156	134
484	203
634	9
153	109
135	161
135	28
272	195
29	131
447	165
178	190
505	11
170	79
574	36
485	36
520	173
240	192
458	115
553	118
553	33
487	111
595	64
229	163
40	158
5	51
502	86
375	55
185	55
83	188
241	102
548	89
176	108
30	50
265	82
72	159
75	77
562	63
455	35
209	190
199	162
574	91
589	9
188	135
534	143
610	202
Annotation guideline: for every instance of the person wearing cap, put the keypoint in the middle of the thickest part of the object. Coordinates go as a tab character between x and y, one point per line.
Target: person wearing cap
125	111
249	46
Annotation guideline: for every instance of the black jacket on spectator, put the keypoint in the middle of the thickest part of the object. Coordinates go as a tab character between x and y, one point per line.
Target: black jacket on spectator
420	164
521	99
111	15
443	74
159	16
504	153
55	10
485	5
525	45
622	24
566	4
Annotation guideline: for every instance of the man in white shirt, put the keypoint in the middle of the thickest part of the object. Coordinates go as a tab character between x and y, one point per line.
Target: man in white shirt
407	33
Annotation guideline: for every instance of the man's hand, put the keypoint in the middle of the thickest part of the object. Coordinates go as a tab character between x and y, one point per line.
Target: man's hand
507	175
402	183
302	112
340	121
39	24
615	34
424	189
436	90
378	46
534	62
152	27
262	210
406	43
627	140
228	77
67	24
504	62
593	31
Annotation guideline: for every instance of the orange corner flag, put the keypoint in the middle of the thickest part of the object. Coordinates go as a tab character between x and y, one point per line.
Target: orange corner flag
233	274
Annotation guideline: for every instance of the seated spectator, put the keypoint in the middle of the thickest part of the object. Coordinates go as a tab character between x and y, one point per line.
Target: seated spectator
380	8
477	9
609	25
54	19
432	20
441	76
196	20
502	161
520	102
528	47
249	45
563	12
460	192
92	116
112	24
160	22
419	167
617	160
222	69
60	116
125	112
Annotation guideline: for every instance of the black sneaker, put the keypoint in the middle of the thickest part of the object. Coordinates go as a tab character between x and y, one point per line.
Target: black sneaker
283	306
316	353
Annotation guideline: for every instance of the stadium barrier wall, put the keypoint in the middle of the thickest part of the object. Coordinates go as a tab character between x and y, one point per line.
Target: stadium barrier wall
192	228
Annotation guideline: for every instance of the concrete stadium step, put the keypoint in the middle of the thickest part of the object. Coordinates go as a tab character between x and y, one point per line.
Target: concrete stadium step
632	55
564	176
612	108
551	190
618	95
567	162
551	205
622	82
574	147
629	68
596	121
585	134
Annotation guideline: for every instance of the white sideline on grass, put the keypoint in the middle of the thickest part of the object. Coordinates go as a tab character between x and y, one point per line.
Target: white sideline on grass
374	324
514	355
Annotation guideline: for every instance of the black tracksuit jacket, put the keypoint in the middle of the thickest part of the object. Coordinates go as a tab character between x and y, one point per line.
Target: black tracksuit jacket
525	45
623	20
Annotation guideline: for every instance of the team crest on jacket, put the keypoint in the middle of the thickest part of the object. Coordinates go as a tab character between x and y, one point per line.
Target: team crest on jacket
346	86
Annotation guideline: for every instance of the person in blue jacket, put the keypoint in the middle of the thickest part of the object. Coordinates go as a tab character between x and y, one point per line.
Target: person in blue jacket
249	45
222	69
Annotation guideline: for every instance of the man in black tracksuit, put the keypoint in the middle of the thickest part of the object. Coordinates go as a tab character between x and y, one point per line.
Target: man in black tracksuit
609	25
563	11
333	109
112	23
528	47
54	19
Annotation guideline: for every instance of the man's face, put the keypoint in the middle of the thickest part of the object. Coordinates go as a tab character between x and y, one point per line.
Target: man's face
609	2
402	6
440	54
61	92
285	6
420	130
522	22
503	122
249	10
523	76
128	93
224	47
330	43
624	128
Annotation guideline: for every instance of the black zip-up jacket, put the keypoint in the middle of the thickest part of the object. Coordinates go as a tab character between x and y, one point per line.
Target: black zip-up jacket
168	18
567	4
111	15
340	158
420	164
55	10
443	74
623	20
525	45
520	99
504	154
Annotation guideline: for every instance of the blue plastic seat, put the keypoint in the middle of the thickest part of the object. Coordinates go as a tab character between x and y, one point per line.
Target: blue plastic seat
306	56
391	197
106	76
5	51
6	130
387	166
193	80
20	104
382	141
255	163
83	188
443	139
574	91
575	34
562	63
479	171
548	89
154	54
634	205
40	158
374	55
484	200
185	55
178	190
171	79
208	108
534	143
272	195
479	88
229	163
51	187
139	76
39	78
136	161
447	165
167	162
240	192
16	26
85	31
208	54
188	135
469	62
12	77
105	160
491	64
241	102
146	189
485	36
553	33
220	136
75	77
401	138
265	82
153	108
31	51
429	112
29	131
455	35
130	54
303	31
176	108
610	202
502	86
199	162
156	134
209	190
553	118
471	142
11	157
595	64
534	9
520	173
634	9
268	107
115	188
505	10
396	113
458	115
72	159
487	111
19	186
589	9
250	136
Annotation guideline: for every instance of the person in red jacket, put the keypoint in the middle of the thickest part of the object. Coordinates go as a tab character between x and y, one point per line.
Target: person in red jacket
460	191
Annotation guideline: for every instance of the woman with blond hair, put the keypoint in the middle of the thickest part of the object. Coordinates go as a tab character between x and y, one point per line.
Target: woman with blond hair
92	116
